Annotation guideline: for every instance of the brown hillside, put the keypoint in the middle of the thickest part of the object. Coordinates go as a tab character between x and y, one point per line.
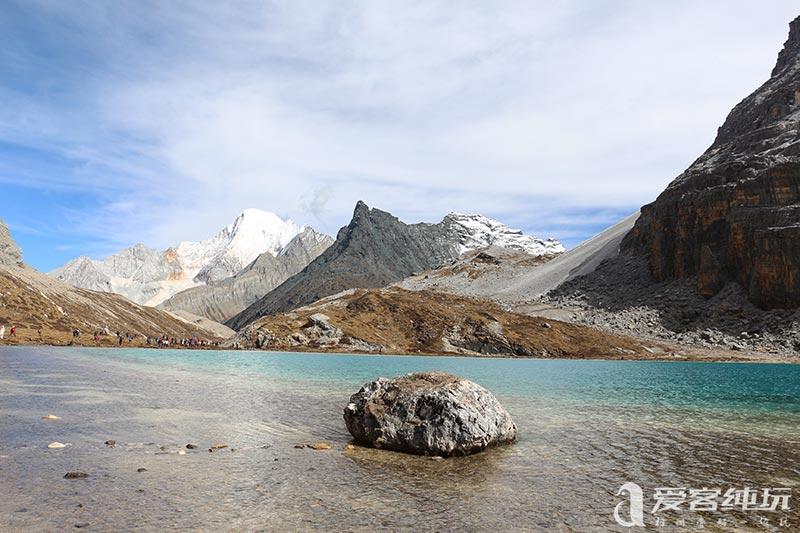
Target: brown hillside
30	300
395	320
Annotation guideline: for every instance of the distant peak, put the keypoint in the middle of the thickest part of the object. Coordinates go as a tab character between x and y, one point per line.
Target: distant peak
791	49
251	213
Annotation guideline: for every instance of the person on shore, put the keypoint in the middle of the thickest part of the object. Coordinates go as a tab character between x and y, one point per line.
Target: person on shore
13	332
39	331
2	331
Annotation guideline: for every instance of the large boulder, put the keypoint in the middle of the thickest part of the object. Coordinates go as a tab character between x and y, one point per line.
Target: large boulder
428	413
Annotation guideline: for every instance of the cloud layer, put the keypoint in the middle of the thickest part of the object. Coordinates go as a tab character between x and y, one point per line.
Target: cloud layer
172	117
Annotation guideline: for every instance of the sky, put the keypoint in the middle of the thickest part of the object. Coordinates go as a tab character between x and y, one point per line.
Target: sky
157	122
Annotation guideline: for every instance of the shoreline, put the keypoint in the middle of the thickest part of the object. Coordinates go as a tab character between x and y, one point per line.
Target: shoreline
673	353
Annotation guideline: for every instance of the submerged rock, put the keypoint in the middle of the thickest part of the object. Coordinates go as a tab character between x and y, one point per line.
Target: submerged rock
428	413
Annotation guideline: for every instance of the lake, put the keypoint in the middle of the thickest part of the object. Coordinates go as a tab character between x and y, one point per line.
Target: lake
585	429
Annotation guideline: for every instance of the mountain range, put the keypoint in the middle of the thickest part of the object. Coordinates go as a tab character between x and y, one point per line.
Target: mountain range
376	249
148	276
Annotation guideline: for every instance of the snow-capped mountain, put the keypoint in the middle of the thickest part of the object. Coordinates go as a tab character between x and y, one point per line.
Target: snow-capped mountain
376	249
478	231
148	276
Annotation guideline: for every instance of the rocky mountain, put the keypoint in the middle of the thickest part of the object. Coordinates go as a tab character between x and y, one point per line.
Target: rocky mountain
221	300
148	276
30	300
715	259
376	249
516	279
393	320
10	253
734	214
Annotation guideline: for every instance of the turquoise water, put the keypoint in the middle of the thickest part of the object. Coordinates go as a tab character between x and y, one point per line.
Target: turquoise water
585	428
770	388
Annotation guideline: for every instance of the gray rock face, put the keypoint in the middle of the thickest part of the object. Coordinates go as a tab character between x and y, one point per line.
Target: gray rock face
428	413
10	253
377	249
734	214
222	300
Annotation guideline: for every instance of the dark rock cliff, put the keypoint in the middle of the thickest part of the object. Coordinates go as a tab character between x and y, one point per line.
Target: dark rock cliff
734	214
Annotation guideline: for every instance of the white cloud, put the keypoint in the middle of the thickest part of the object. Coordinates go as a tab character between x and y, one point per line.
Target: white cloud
187	113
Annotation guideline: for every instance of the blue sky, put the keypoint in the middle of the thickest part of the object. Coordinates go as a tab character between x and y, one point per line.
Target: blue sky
156	122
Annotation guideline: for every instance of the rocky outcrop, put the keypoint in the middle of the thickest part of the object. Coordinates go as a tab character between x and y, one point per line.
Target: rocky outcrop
376	249
10	253
224	299
734	214
428	413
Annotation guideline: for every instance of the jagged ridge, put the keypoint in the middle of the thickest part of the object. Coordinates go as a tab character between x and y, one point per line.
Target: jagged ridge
376	249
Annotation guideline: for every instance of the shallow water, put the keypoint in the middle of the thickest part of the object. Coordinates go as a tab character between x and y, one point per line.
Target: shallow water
585	428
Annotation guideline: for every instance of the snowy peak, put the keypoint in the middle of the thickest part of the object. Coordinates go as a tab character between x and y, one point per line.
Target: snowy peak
252	233
478	231
148	276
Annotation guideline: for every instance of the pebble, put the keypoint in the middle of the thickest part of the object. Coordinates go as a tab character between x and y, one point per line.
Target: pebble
110	443
349	447
56	445
51	417
299	446
319	446
217	447
181	452
75	475
191	446
140	470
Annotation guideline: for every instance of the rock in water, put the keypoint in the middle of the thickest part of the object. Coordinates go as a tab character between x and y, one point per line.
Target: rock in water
428	413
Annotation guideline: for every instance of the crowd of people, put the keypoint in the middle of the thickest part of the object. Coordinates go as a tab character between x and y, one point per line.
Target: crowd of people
161	341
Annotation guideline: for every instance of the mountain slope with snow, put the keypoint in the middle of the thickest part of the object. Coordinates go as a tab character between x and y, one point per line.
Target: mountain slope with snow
377	249
148	276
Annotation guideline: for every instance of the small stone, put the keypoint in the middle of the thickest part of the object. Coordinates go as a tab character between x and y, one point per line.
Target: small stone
436	458
75	475
217	447
319	446
299	446
51	417
261	489
56	445
191	446
181	452
349	447
81	526
111	443
140	470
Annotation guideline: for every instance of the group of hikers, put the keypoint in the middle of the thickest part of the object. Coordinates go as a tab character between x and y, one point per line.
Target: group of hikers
162	341
165	342
13	332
